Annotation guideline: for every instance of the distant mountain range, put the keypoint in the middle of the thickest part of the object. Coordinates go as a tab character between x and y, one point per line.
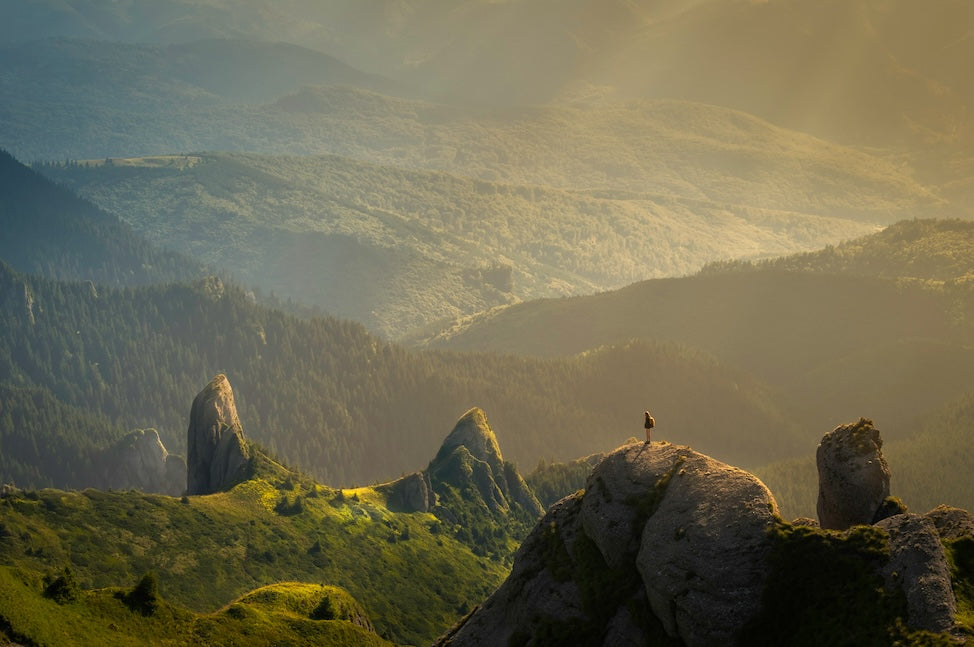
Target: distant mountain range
473	157
878	326
834	68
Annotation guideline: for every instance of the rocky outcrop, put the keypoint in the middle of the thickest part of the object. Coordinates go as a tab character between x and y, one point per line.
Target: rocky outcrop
918	566
411	493
684	539
703	553
470	456
951	523
853	476
218	457
140	461
668	546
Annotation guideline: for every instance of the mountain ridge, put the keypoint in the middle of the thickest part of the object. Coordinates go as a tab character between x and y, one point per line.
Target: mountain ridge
847	60
435	245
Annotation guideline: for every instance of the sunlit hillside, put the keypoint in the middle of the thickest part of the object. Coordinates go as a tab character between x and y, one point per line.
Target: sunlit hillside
408	571
557	201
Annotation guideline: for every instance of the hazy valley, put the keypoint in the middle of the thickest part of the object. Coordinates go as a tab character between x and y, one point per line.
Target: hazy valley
384	222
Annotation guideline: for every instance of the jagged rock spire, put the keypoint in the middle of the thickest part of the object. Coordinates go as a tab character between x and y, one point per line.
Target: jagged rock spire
470	454
473	432
218	456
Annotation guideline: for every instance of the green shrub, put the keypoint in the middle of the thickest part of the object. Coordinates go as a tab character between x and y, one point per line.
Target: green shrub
63	588
144	598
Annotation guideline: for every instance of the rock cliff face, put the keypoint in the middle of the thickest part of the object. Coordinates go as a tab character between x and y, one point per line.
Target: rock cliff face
668	546
218	457
140	461
853	476
411	493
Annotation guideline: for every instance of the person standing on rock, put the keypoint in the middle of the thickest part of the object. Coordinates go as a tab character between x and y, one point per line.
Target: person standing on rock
648	425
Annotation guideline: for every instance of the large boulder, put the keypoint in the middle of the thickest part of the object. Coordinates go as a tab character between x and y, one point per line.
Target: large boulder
538	593
669	546
218	457
411	493
664	540
620	494
952	523
704	549
853	477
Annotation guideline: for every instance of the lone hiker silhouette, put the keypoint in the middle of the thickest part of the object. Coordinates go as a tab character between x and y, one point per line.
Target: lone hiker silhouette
648	425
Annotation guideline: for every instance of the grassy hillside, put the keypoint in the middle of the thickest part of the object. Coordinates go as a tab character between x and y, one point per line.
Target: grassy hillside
271	615
399	249
224	563
410	575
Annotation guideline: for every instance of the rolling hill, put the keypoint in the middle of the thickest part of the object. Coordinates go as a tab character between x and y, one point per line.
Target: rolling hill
278	557
430	245
889	76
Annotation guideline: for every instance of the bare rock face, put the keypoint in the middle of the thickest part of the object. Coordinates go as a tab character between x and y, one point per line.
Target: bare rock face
704	549
473	432
952	523
667	545
411	493
140	461
618	490
853	476
217	453
537	592
918	566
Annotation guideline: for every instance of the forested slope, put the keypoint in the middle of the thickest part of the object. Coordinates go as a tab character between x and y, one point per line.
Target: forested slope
340	403
397	249
48	230
879	327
